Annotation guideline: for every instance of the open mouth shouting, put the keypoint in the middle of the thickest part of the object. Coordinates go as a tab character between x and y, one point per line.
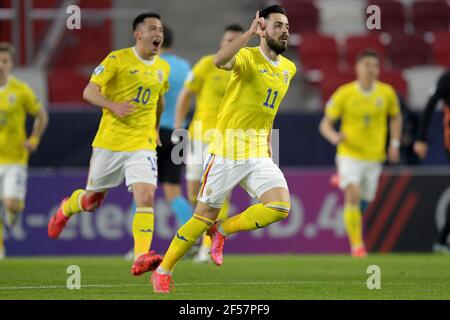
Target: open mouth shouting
157	43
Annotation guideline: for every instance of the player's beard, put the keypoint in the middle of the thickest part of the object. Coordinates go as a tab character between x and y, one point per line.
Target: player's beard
277	47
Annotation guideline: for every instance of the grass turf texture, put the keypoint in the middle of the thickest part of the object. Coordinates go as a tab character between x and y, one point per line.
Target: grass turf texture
412	276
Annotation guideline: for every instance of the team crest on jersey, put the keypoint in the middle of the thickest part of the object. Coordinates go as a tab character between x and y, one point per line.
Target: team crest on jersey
12	98
286	76
263	71
99	70
160	76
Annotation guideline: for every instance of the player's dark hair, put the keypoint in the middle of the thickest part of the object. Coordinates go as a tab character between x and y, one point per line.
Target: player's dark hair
7	47
234	28
367	53
168	37
265	13
140	18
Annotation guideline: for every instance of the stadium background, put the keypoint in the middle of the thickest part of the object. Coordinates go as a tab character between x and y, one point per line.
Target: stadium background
325	37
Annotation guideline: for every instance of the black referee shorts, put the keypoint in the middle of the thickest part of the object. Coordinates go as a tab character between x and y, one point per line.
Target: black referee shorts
167	171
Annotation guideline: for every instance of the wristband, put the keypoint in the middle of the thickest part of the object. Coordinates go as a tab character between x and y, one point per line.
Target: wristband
395	143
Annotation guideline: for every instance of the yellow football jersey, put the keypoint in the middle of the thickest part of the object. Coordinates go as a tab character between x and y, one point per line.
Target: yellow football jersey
125	77
364	117
17	100
209	83
251	101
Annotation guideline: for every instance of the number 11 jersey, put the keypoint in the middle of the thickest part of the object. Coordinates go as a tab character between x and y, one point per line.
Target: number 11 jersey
251	101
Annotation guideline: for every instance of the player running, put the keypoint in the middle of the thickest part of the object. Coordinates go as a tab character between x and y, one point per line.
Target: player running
241	148
169	173
207	84
363	107
129	86
441	91
17	100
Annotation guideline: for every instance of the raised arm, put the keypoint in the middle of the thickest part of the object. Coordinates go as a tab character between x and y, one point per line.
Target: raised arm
224	58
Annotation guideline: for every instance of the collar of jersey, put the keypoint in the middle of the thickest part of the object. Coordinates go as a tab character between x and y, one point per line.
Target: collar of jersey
147	62
274	63
366	92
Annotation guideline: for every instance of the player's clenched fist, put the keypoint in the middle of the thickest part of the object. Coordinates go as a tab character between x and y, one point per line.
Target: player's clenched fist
122	109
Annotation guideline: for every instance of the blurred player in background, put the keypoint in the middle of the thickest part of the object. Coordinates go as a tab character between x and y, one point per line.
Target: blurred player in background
240	152
129	86
169	173
17	100
207	84
363	107
440	91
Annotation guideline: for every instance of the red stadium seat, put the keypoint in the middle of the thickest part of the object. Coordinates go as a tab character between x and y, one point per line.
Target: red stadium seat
303	15
441	48
317	51
430	15
393	15
395	79
65	86
408	50
355	44
332	80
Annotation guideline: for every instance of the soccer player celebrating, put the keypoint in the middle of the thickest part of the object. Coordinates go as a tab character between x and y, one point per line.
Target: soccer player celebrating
129	86
208	84
363	107
16	101
240	150
441	91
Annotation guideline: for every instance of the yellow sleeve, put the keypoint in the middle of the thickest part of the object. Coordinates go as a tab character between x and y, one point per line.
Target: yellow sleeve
106	70
32	103
335	105
166	84
197	76
243	58
394	104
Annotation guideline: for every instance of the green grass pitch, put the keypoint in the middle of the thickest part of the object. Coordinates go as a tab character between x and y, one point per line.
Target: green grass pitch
405	276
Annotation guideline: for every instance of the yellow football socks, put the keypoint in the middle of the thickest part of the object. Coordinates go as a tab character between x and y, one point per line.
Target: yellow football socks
223	214
184	239
256	216
73	204
143	227
353	224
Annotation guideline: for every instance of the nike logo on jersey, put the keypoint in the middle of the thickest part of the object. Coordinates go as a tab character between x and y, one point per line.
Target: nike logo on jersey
263	70
257	225
134	71
181	237
146	230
